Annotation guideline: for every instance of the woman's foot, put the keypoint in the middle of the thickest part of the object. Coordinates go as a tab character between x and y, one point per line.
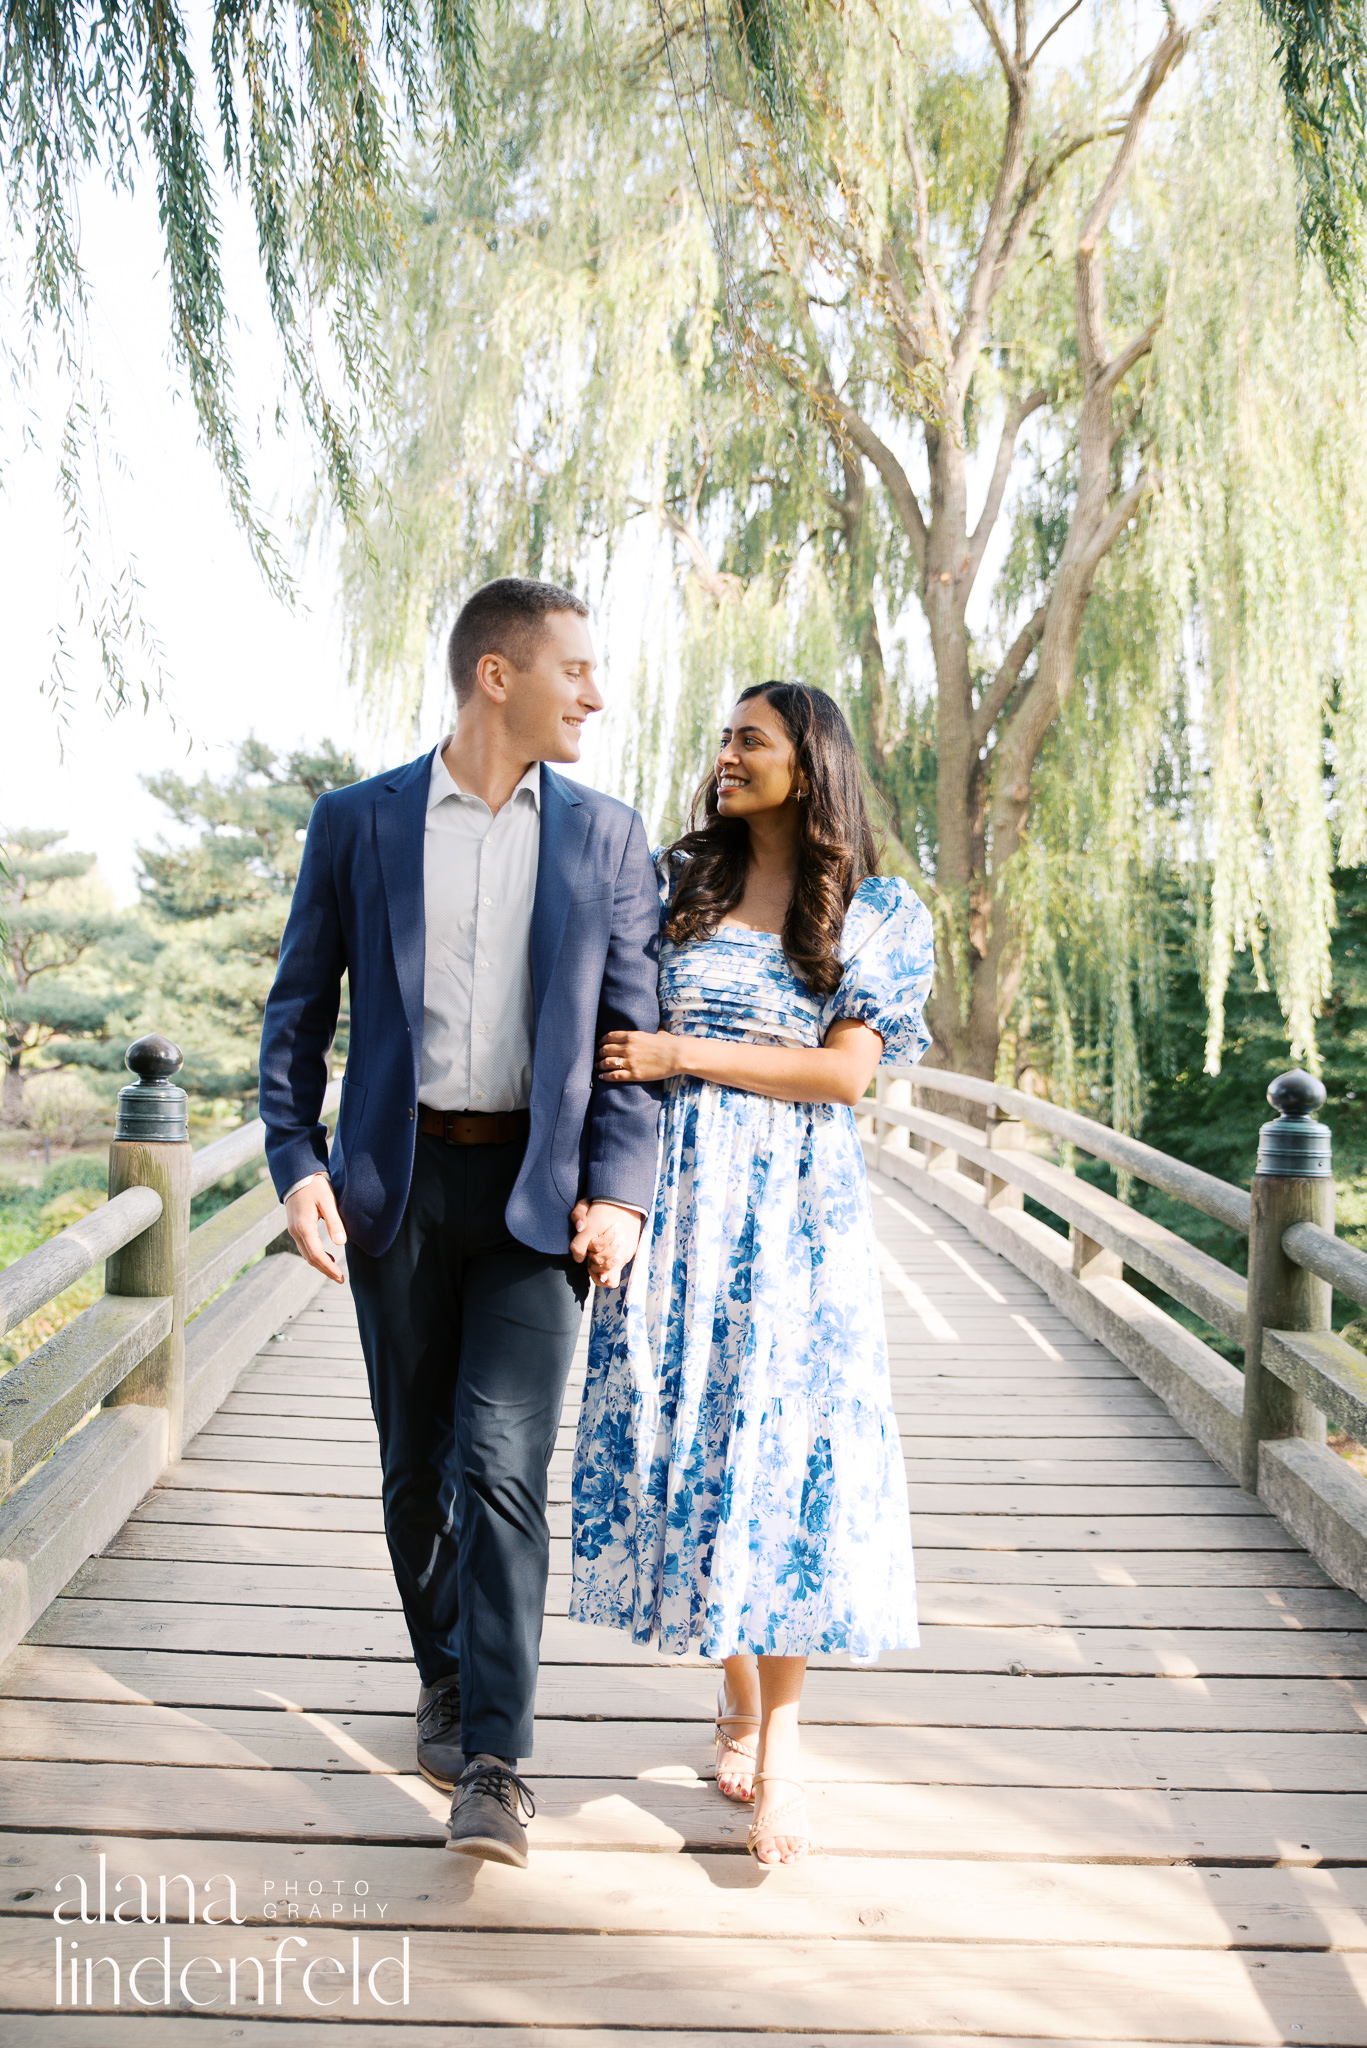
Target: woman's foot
780	1831
736	1750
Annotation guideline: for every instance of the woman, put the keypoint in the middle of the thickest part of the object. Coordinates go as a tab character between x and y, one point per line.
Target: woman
738	1474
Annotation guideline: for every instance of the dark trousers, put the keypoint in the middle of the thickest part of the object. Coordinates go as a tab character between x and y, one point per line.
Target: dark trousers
468	1337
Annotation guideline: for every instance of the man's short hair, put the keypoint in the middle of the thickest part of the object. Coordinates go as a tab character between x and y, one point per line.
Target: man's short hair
508	617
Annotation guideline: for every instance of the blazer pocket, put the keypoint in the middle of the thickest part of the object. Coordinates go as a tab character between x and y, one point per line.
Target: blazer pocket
601	892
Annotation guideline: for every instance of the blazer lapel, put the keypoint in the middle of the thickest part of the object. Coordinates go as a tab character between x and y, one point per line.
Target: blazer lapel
564	828
400	822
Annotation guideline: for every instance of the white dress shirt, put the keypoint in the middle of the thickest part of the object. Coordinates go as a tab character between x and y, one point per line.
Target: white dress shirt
479	883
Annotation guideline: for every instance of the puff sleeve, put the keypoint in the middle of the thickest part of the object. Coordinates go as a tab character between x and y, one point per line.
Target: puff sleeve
890	962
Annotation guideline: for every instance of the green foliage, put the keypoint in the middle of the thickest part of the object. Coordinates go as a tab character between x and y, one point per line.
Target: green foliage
216	906
29	1216
71	964
1321	54
300	109
1212	1120
771	276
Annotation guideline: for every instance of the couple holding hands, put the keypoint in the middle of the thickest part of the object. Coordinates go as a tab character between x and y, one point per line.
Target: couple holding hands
571	1063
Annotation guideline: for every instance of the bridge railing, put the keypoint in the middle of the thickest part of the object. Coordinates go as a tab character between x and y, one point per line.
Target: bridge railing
1267	1424
90	1419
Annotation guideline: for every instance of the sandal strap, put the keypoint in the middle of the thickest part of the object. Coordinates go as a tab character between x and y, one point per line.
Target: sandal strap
725	1741
772	1823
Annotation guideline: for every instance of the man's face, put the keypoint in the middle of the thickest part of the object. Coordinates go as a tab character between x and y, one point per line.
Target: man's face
548	702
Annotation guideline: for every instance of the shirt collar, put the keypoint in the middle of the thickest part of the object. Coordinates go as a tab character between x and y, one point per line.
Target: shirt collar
441	785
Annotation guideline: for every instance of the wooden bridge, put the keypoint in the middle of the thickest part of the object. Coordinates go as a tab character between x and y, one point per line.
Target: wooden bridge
1119	1793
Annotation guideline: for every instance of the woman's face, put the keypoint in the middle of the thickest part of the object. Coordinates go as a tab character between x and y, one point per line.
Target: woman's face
756	762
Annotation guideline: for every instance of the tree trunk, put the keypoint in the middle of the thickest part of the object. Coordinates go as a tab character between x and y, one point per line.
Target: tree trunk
12	1109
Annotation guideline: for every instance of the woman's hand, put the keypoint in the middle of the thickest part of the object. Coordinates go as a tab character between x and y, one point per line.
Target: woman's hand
638	1056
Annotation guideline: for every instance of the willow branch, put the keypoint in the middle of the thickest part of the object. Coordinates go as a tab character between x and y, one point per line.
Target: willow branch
895	478
1090	319
719	584
854	428
1001	471
998	692
1126	425
988	270
983	10
930	276
1066	15
1115	522
1125	359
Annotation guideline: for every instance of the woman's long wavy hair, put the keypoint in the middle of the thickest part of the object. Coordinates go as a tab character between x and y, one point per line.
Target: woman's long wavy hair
836	849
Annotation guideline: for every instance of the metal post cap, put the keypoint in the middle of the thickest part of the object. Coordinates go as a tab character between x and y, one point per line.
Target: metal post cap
1295	1146
152	1110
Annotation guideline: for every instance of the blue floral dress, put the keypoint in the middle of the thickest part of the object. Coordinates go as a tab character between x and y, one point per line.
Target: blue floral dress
738	1474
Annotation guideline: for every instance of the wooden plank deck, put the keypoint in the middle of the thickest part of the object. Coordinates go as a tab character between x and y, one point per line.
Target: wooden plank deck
1118	1795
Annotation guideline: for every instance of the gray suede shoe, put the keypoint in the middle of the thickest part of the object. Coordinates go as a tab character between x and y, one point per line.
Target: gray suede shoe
440	1756
485	1813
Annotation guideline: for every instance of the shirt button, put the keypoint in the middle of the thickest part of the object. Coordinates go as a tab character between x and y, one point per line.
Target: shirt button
488	899
410	1116
479	1095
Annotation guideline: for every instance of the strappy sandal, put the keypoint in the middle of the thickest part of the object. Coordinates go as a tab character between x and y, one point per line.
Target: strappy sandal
725	1741
774	1821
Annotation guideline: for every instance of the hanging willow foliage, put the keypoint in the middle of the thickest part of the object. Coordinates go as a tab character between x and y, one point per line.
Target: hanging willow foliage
1216	754
1321	56
1258	542
301	109
645	319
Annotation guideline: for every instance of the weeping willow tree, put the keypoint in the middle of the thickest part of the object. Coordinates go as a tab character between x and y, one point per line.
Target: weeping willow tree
957	379
1214	760
299	110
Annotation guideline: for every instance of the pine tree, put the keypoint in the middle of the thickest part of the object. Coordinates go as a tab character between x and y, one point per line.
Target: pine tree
68	962
217	906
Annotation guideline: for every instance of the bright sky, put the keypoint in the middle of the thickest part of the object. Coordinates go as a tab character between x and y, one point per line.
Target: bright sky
239	661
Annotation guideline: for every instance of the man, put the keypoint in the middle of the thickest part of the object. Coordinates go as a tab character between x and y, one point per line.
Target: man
493	921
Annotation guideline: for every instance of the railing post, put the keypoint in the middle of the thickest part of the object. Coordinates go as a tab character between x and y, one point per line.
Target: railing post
1293	1183
1004	1134
895	1090
151	1149
1093	1261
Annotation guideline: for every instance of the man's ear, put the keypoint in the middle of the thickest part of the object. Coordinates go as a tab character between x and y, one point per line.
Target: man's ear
491	676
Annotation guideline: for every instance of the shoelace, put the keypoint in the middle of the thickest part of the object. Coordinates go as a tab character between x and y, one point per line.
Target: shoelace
441	1716
496	1781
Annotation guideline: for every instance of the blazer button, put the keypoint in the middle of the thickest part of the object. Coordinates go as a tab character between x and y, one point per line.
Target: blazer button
410	1116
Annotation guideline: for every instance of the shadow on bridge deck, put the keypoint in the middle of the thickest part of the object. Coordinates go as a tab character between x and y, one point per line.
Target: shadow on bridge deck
1118	1794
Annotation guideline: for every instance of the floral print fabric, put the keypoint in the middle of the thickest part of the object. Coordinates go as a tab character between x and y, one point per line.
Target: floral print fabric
738	1473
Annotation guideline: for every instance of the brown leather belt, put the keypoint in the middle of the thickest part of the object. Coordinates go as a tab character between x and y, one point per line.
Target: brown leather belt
473	1126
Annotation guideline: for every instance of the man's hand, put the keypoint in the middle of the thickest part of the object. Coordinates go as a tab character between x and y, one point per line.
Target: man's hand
607	1237
305	1209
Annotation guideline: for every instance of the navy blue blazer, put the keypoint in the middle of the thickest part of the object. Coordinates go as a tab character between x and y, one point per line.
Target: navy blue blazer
358	911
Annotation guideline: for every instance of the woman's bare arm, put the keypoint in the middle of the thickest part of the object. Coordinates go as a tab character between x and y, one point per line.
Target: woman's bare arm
839	1070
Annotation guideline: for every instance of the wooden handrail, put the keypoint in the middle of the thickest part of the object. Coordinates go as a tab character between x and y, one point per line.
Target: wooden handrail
1204	1191
33	1281
158	1369
1188	1274
213	1163
1329	1258
1266	1426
